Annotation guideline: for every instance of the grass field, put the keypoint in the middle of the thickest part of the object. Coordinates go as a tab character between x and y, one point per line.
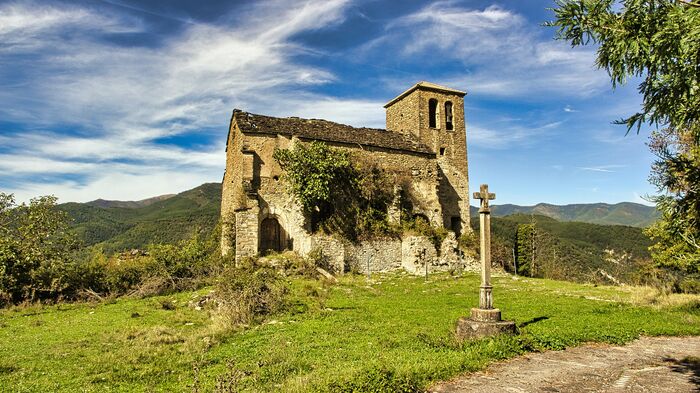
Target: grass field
392	333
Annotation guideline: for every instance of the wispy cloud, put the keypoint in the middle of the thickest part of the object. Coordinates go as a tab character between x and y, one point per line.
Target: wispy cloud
503	55
509	134
602	168
119	100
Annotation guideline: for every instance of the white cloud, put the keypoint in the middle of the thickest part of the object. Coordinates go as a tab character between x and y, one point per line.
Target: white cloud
501	53
602	168
29	25
123	99
508	135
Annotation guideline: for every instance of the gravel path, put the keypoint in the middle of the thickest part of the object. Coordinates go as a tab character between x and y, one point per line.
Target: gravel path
650	364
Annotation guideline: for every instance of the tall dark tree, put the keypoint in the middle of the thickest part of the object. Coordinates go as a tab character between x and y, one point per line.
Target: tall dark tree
659	42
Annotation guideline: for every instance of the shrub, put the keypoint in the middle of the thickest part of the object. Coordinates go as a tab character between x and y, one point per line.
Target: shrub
690	284
88	273
249	292
188	262
469	243
316	258
421	226
125	272
165	268
35	249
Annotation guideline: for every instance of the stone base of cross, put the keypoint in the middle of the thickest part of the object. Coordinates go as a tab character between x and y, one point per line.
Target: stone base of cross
484	320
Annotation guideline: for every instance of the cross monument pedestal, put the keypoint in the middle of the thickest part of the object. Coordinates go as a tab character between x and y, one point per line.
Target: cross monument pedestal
485	320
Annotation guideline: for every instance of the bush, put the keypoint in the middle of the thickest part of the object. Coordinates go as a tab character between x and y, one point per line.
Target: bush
88	272
35	249
125	272
469	243
690	284
421	226
249	292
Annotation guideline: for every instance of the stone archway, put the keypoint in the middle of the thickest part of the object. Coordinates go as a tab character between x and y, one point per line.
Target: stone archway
272	236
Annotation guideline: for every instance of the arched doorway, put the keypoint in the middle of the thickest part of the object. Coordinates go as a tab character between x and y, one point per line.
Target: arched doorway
272	236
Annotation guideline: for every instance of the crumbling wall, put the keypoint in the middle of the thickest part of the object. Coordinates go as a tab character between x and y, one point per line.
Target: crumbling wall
381	255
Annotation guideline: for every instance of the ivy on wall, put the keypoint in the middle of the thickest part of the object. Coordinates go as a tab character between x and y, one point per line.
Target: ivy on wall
339	193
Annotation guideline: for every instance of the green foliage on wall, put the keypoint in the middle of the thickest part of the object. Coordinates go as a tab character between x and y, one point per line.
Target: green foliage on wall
317	174
338	192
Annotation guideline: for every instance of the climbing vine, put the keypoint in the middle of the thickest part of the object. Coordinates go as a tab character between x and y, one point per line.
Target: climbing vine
339	193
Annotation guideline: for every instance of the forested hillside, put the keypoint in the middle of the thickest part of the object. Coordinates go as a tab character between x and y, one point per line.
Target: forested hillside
164	221
540	246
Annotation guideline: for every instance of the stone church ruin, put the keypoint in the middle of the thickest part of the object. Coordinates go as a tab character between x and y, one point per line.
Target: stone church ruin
424	140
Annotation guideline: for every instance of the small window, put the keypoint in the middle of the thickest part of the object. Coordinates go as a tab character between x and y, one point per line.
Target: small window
432	113
456	225
448	116
442	151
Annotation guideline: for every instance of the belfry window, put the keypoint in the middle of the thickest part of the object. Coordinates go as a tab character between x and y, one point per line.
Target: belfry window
432	113
448	116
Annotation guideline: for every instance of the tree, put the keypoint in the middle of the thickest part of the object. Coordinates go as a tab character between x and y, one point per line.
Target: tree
525	249
35	248
659	42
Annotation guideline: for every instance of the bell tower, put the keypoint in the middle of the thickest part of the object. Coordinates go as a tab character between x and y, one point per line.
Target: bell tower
434	115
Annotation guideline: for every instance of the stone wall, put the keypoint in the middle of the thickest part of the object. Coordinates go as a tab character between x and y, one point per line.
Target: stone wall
403	116
383	255
231	187
334	250
410	253
247	225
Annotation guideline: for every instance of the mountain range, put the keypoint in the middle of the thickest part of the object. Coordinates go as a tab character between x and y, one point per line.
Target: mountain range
625	213
119	225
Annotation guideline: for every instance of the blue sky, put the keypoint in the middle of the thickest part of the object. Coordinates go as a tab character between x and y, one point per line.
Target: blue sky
126	100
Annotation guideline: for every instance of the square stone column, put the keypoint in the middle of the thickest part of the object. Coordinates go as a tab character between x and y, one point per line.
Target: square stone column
484	320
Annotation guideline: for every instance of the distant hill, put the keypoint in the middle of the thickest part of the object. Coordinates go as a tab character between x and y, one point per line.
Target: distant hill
625	213
129	204
160	220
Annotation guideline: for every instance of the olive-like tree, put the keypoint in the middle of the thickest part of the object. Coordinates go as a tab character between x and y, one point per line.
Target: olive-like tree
35	248
659	42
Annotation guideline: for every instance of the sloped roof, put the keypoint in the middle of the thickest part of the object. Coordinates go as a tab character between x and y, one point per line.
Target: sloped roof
427	86
324	130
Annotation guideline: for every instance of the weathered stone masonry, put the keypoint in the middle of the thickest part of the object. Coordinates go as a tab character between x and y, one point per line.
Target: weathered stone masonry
425	142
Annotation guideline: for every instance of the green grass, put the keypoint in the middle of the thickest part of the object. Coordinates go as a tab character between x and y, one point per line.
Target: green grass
394	331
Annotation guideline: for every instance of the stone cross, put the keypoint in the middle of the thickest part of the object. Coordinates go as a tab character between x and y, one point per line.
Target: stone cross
485	298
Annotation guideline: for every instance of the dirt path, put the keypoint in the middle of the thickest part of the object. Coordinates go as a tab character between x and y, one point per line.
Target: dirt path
650	364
